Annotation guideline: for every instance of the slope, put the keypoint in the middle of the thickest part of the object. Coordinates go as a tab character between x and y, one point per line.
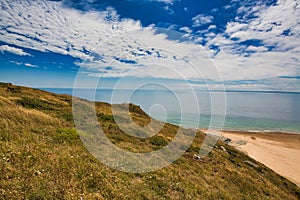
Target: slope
42	157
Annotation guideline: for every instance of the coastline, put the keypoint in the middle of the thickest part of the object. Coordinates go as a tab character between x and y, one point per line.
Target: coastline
277	150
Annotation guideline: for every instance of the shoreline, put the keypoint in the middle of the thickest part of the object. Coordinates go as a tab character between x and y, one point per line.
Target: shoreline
279	151
250	131
261	131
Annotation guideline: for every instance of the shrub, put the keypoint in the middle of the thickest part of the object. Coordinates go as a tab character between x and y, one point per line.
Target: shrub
107	118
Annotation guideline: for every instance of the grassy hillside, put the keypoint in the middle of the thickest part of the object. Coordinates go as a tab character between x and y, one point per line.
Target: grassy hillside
42	157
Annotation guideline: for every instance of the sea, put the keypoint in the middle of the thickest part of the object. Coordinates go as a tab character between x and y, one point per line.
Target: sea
230	110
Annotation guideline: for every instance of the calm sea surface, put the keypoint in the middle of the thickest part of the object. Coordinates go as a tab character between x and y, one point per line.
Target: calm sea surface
254	111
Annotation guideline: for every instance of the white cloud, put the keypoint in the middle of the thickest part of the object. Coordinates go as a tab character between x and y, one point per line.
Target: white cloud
165	1
153	56
233	27
227	7
15	62
48	26
270	24
104	39
162	1
256	49
275	54
171	2
201	19
258	66
14	50
30	65
212	27
169	10
186	29
25	64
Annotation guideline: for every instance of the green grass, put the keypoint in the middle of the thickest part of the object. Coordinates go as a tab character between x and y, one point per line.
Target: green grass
42	157
158	141
33	103
66	135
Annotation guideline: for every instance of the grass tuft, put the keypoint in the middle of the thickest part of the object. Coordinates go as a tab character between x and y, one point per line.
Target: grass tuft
66	135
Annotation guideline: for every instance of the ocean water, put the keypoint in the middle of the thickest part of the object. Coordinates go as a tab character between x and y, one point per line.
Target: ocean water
247	111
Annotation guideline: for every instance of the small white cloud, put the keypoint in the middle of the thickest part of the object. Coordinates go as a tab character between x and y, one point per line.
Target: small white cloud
30	65
186	29
215	10
165	1
14	50
227	7
202	19
162	1
15	62
169	10
212	27
257	49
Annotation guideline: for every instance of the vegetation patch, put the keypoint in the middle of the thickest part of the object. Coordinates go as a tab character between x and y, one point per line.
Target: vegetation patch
105	118
66	135
68	117
34	103
158	141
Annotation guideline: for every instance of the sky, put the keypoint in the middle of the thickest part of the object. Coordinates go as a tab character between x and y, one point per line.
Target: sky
242	45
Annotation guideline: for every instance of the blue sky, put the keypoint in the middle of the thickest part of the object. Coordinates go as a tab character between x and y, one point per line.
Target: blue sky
245	45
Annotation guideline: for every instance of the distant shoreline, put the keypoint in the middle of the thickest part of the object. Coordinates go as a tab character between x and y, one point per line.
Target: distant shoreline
179	88
261	132
253	131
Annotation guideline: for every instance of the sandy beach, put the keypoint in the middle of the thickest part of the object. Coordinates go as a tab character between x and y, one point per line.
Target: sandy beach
278	151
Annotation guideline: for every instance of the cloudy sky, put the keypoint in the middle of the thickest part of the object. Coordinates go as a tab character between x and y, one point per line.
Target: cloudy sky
245	45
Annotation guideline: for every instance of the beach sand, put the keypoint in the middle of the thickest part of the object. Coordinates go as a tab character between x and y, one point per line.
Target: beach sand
278	151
